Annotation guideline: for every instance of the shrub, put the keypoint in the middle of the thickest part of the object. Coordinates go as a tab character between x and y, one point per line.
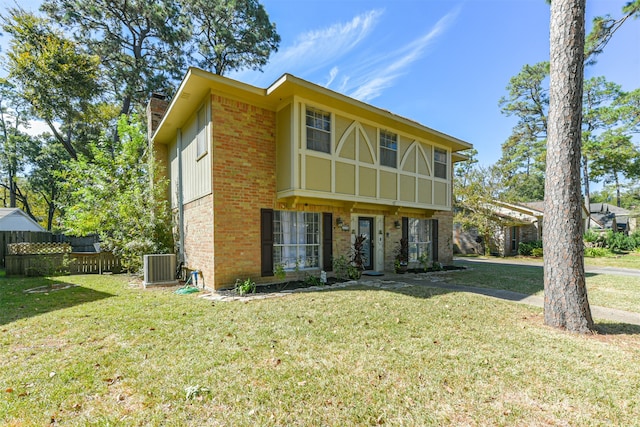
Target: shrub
619	242
526	248
536	252
596	252
245	287
340	267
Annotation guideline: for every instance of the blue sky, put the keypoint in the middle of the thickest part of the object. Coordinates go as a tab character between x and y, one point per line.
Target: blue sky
443	63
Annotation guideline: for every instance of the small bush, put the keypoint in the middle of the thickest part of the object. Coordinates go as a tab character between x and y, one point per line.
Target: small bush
245	287
313	281
617	242
340	267
596	252
536	252
526	248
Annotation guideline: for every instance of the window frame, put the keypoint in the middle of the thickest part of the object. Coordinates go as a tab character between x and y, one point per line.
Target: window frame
305	245
315	116
416	245
389	151
442	163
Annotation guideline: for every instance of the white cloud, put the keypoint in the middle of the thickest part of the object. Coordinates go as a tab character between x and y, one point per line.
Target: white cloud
332	75
314	50
385	69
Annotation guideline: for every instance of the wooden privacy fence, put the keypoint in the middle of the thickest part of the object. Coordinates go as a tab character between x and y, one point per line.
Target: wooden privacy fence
9	237
39	259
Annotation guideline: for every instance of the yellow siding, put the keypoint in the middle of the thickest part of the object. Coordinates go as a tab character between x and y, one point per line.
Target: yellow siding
351	172
407	188
388	185
423	168
318	174
341	126
440	193
425	191
284	145
368	182
348	149
345	178
409	164
365	150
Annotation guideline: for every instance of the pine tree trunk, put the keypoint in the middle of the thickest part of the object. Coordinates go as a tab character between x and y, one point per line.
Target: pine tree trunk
565	303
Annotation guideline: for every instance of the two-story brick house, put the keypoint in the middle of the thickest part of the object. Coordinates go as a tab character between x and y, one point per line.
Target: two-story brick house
290	174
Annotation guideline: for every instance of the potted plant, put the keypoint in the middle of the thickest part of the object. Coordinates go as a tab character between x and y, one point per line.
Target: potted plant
402	256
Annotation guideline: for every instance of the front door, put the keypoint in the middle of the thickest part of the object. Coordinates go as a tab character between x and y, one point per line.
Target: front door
365	227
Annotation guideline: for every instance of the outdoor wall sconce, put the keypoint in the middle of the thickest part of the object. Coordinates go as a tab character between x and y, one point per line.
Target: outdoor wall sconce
339	221
396	224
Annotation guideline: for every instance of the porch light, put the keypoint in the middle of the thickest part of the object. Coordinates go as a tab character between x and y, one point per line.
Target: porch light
339	221
396	224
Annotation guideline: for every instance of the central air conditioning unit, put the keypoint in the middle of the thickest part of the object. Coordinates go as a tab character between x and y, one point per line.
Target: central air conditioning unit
160	269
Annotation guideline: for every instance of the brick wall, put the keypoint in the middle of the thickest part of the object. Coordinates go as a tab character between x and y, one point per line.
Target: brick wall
244	165
198	223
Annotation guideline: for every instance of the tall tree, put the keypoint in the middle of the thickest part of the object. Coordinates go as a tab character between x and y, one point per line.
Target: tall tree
48	164
231	35
55	75
145	45
597	116
139	43
14	114
565	294
112	196
523	154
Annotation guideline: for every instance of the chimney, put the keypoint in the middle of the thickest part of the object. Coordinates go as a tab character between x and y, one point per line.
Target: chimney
156	108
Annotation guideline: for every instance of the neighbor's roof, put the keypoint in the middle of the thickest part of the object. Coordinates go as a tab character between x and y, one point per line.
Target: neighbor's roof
14	219
198	83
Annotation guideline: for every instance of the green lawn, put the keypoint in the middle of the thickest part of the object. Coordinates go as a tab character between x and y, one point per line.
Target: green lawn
105	352
614	291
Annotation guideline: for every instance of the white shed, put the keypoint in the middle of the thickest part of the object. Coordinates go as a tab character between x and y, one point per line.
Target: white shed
14	219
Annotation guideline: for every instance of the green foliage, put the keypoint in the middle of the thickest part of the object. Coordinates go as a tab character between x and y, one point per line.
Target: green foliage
353	272
537	252
617	242
596	252
246	286
231	35
357	252
312	280
58	78
341	267
145	45
591	236
120	197
527	248
279	272
423	259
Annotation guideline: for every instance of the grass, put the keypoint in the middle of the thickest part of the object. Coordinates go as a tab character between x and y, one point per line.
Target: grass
613	291
104	352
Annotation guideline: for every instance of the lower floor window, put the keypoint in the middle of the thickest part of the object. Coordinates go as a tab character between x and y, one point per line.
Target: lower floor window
296	240
420	240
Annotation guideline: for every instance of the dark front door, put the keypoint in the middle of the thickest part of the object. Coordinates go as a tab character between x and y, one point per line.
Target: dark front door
365	227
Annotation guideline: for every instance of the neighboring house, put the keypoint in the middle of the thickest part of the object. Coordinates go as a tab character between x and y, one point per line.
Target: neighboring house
610	217
14	219
290	174
514	223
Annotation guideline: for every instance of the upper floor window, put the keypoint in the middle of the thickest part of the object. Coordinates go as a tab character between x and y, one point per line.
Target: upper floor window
440	163
318	130
388	149
201	148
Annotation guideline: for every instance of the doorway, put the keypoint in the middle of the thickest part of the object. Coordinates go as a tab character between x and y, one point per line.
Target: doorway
366	228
